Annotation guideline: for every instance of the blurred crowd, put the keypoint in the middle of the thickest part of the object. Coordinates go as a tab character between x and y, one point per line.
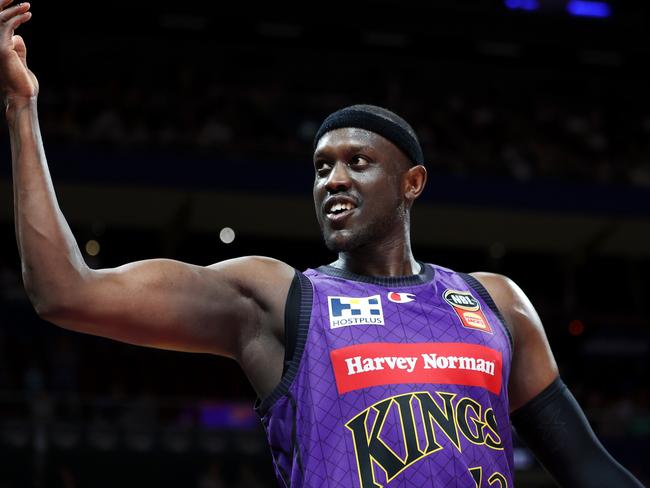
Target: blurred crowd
262	102
522	129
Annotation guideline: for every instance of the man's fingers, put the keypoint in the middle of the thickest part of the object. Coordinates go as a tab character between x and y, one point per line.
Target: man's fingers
11	12
12	18
8	27
4	3
19	19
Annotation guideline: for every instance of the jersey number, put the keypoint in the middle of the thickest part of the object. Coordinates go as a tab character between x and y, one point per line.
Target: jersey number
496	477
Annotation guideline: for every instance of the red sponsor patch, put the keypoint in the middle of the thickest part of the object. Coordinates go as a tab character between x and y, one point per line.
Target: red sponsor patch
383	363
474	320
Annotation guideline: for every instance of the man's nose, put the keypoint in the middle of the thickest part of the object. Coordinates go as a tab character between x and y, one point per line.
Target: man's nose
339	178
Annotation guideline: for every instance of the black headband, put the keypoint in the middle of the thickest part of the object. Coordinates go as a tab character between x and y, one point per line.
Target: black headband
377	120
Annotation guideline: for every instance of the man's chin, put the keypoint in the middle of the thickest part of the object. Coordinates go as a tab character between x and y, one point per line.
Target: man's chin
341	241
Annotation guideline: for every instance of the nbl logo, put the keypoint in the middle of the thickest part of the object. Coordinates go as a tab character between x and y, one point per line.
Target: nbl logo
468	310
346	311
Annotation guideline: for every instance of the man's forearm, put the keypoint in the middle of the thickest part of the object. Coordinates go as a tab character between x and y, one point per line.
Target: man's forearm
554	427
51	259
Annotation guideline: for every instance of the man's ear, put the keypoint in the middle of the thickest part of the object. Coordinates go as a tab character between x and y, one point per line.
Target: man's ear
414	181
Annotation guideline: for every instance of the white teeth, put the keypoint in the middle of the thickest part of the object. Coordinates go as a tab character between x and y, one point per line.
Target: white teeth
337	207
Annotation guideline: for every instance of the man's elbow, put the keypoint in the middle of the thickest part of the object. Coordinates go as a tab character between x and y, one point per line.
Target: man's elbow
49	308
51	303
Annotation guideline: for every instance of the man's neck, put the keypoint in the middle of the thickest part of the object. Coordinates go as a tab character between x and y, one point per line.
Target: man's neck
395	260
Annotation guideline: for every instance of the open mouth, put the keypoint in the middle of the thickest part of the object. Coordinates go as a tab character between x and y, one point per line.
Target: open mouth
340	210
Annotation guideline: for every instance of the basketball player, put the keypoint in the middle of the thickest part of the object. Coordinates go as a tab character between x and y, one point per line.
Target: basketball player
376	370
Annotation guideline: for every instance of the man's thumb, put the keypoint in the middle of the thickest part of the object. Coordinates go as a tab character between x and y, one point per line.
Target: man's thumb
19	47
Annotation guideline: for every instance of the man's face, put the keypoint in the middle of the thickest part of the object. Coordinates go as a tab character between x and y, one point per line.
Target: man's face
357	188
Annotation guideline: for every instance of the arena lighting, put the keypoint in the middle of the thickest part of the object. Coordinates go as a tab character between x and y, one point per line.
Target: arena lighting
227	235
92	247
576	327
529	5
588	8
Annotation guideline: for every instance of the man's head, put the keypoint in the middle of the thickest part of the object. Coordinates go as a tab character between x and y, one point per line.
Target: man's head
378	120
369	171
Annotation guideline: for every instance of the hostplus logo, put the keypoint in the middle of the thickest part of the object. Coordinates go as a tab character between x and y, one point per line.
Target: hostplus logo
347	311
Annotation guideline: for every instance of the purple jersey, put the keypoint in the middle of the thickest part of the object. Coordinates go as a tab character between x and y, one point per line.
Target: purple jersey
395	382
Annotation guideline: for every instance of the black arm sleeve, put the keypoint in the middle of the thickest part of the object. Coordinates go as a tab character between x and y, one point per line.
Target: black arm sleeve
557	431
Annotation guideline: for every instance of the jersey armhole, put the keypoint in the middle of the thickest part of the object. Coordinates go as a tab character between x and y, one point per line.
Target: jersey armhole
487	298
291	314
297	314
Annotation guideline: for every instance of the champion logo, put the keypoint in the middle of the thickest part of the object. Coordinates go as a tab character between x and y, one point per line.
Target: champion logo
396	297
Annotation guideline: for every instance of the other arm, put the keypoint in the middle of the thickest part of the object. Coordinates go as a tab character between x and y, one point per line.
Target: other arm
234	308
544	412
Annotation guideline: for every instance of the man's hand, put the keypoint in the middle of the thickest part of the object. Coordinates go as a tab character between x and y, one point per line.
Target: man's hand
16	80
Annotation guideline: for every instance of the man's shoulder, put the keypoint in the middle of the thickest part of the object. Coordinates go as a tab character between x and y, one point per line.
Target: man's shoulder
507	295
253	262
494	281
255	271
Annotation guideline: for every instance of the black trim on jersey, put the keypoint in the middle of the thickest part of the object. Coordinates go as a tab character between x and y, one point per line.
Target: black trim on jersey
297	316
291	313
425	275
485	295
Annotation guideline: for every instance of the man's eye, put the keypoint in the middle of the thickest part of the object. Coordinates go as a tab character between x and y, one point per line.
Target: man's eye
358	161
322	169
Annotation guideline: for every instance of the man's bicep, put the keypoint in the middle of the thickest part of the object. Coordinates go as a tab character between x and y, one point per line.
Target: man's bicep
169	304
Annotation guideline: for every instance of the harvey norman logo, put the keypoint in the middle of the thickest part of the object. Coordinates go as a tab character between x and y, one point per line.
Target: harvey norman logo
347	311
380	363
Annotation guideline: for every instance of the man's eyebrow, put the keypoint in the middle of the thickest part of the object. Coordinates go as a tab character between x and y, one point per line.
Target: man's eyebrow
349	148
361	148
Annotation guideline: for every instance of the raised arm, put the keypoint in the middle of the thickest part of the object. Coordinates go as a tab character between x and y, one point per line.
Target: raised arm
234	308
547	417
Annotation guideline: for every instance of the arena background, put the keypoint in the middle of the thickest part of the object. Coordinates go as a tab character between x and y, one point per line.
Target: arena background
165	125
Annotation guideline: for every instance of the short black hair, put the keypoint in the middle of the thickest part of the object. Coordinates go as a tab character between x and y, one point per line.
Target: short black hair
379	120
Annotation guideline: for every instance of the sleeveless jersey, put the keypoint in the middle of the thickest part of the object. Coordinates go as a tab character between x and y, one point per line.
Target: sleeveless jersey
395	382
